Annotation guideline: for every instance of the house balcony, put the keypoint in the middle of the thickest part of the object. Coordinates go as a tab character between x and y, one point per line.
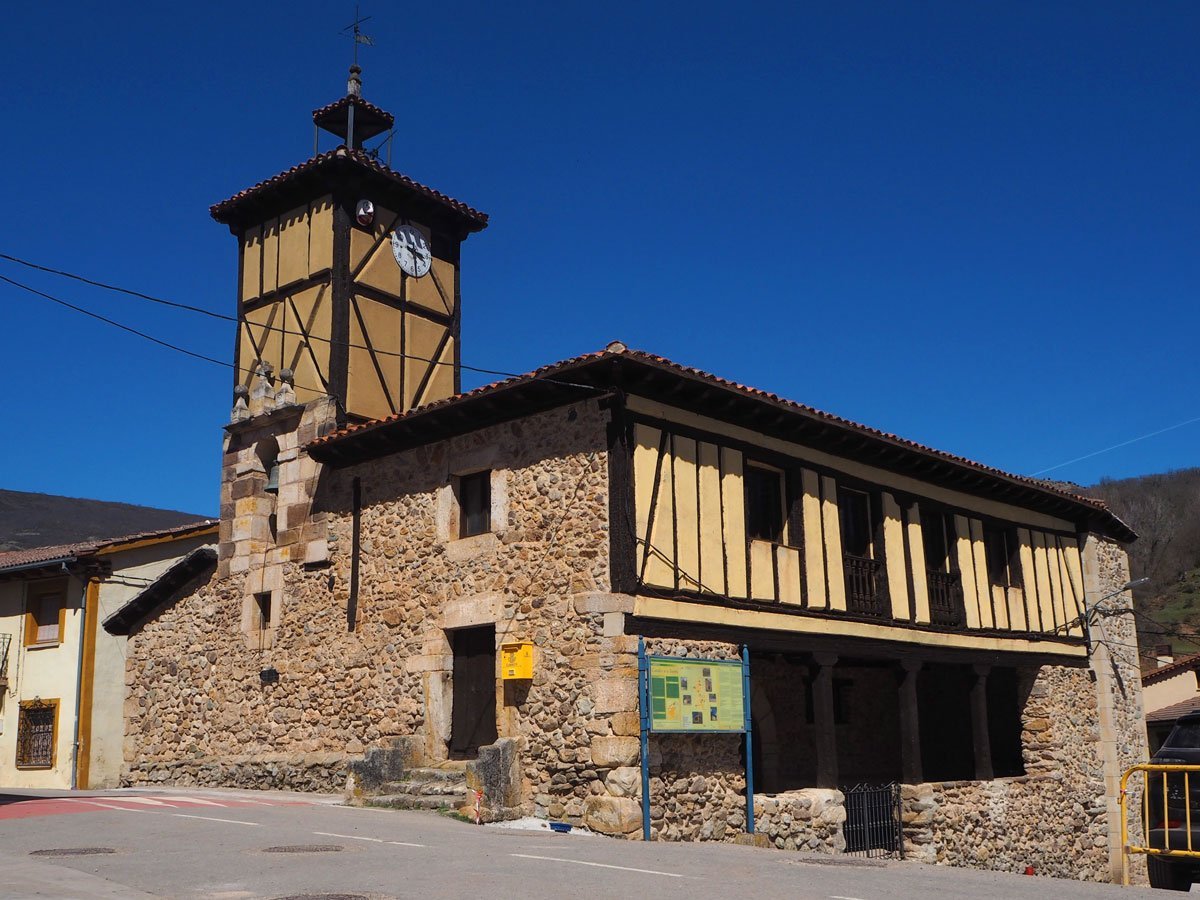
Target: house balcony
866	592
945	598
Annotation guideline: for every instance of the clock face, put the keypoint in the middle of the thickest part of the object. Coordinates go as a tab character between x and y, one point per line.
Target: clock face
411	250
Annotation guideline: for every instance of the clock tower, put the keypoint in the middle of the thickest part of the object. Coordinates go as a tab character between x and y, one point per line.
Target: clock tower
348	274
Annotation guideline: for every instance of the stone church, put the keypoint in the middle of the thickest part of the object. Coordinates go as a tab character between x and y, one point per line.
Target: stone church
386	540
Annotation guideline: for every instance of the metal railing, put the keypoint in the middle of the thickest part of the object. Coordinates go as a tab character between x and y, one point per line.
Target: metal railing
945	598
863	594
874	820
5	643
1161	833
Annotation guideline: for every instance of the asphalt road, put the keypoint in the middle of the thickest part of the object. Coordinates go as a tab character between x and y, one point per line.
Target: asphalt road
224	845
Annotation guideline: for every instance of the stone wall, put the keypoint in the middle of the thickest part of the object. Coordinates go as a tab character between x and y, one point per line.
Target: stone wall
199	710
1052	818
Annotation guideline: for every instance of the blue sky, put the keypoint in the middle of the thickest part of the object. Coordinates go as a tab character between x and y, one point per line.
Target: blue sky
972	224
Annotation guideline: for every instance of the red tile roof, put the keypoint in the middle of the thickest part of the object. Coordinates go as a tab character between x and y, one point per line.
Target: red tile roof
357	101
343	155
616	350
1170	670
1173	712
14	559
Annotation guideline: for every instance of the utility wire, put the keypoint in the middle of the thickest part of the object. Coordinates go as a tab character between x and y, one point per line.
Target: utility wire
239	321
1117	446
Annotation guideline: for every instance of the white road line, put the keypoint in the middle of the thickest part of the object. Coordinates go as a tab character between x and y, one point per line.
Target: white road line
211	819
840	897
359	837
147	801
580	862
349	837
110	806
196	800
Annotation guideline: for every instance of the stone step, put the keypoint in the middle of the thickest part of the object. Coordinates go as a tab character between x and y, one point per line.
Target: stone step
417	801
435	773
424	788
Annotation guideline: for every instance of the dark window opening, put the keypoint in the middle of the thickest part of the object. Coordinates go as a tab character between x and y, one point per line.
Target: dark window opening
764	504
1004	723
1003	562
938	537
262	609
854	511
474	503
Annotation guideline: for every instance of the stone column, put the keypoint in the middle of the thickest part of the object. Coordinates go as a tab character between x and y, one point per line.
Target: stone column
827	761
979	725
910	724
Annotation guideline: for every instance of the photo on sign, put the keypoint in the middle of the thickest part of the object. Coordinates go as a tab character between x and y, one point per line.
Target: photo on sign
712	714
682	683
712	698
706	672
687	699
707	683
697	718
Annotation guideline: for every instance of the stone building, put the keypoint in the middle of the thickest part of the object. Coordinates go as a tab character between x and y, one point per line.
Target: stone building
910	615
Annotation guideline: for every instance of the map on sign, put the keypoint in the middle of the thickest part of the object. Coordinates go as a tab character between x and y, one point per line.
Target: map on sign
696	695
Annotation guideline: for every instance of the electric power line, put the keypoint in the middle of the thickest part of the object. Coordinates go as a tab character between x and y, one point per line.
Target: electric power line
239	321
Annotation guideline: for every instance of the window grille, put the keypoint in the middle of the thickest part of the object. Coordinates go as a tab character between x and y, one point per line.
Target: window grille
35	735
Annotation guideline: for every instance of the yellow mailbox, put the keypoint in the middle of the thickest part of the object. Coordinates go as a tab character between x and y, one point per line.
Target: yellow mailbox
516	660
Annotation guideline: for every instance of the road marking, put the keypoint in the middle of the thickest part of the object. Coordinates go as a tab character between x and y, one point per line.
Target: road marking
211	819
110	806
191	800
580	862
359	837
840	897
349	837
146	801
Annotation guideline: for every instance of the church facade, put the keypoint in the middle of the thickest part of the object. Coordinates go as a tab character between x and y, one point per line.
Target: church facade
909	616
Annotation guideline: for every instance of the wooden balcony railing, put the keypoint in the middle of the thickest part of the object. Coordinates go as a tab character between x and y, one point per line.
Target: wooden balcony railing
865	591
945	598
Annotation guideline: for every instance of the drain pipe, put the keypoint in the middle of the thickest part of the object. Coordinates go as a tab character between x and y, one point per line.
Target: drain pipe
87	583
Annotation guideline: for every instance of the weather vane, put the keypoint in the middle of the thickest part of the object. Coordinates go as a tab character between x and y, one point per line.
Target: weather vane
355	32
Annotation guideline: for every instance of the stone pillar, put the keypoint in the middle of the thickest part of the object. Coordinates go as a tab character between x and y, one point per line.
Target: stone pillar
979	725
827	761
910	724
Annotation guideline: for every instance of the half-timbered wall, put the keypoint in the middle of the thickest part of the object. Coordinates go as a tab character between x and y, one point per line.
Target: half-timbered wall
691	537
398	347
286	297
402	329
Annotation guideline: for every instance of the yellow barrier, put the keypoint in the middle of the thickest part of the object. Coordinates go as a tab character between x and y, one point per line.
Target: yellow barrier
1148	769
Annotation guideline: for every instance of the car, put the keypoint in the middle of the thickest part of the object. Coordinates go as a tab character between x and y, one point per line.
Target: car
1167	808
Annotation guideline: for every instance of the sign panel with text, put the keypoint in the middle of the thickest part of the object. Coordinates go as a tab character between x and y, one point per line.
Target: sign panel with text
696	695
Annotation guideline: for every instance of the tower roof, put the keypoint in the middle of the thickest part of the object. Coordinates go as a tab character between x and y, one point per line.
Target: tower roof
326	171
369	120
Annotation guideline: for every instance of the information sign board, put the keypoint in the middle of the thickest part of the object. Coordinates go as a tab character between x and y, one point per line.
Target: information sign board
696	695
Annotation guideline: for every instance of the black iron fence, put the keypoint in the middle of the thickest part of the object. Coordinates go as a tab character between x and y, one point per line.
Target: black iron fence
874	820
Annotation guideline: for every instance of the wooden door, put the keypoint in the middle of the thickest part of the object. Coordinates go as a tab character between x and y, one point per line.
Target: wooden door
473	719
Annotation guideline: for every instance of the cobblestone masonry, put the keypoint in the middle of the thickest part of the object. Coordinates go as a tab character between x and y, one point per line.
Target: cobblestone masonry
200	712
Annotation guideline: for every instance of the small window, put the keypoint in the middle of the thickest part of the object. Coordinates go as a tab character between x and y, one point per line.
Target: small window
262	611
36	726
474	494
764	504
854	513
44	622
939	538
1003	562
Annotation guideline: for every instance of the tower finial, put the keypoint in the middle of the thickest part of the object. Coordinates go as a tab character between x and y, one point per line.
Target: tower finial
359	38
354	83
